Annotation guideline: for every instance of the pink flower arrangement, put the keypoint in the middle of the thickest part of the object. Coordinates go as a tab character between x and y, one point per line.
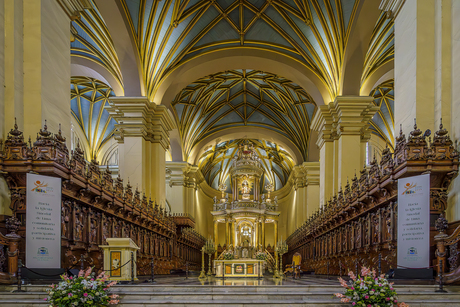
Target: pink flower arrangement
85	290
368	289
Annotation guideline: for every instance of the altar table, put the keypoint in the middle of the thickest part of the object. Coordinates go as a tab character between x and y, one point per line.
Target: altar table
239	267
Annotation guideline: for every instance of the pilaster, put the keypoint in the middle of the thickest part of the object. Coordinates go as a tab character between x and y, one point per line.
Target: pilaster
36	67
323	123
423	61
142	131
181	183
343	128
307	183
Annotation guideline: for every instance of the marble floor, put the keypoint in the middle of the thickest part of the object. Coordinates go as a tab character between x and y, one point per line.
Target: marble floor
264	281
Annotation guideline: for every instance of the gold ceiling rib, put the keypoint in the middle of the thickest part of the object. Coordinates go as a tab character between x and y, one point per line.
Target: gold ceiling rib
88	97
204	107
99	47
384	97
315	32
381	47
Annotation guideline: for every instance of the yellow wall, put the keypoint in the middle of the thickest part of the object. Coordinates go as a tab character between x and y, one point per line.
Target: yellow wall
453	209
204	224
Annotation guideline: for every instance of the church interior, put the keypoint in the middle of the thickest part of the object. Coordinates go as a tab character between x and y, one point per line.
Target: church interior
270	134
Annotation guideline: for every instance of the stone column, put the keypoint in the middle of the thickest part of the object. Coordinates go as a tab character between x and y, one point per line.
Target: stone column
426	65
307	179
143	137
216	235
343	127
256	233
233	233
35	73
263	232
322	122
180	187
423	61
276	233
226	232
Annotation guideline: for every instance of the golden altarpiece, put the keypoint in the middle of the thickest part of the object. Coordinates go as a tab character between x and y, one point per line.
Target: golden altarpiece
245	213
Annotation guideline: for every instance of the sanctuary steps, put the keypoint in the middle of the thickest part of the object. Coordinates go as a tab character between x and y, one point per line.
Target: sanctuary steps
198	295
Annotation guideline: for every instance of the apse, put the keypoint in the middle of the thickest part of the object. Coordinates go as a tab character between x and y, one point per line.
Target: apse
216	162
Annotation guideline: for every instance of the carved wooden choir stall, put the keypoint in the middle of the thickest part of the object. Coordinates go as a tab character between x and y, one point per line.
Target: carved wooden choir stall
94	207
360	222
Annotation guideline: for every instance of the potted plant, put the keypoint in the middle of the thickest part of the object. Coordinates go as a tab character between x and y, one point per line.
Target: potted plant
82	291
368	290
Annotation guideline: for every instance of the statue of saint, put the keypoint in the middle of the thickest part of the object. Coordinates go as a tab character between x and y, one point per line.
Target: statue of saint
245	187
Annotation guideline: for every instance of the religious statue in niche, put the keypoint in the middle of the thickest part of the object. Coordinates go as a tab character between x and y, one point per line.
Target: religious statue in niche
105	228
64	220
245	186
78	225
93	231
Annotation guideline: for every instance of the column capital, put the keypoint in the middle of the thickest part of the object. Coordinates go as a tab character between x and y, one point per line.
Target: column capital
137	117
182	174
391	7
305	174
323	123
346	115
352	114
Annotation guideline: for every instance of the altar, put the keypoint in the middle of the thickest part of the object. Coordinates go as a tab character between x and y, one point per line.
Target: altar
239	267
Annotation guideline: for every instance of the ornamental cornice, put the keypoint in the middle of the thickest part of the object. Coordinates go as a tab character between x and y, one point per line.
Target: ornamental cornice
391	7
182	174
352	114
137	117
306	174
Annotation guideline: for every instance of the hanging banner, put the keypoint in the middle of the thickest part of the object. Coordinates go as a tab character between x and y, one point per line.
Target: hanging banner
414	222
43	222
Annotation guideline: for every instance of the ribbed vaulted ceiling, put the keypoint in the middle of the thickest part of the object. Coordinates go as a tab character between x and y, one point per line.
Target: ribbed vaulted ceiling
382	124
88	97
93	41
243	98
313	32
168	33
381	47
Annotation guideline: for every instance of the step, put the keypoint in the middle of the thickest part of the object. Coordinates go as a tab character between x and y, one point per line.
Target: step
268	295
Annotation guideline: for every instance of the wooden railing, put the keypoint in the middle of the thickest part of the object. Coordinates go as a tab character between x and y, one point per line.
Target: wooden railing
94	207
447	251
270	261
359	224
9	251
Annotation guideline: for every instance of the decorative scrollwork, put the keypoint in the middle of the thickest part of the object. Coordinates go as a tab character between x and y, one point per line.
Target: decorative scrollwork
441	223
453	256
